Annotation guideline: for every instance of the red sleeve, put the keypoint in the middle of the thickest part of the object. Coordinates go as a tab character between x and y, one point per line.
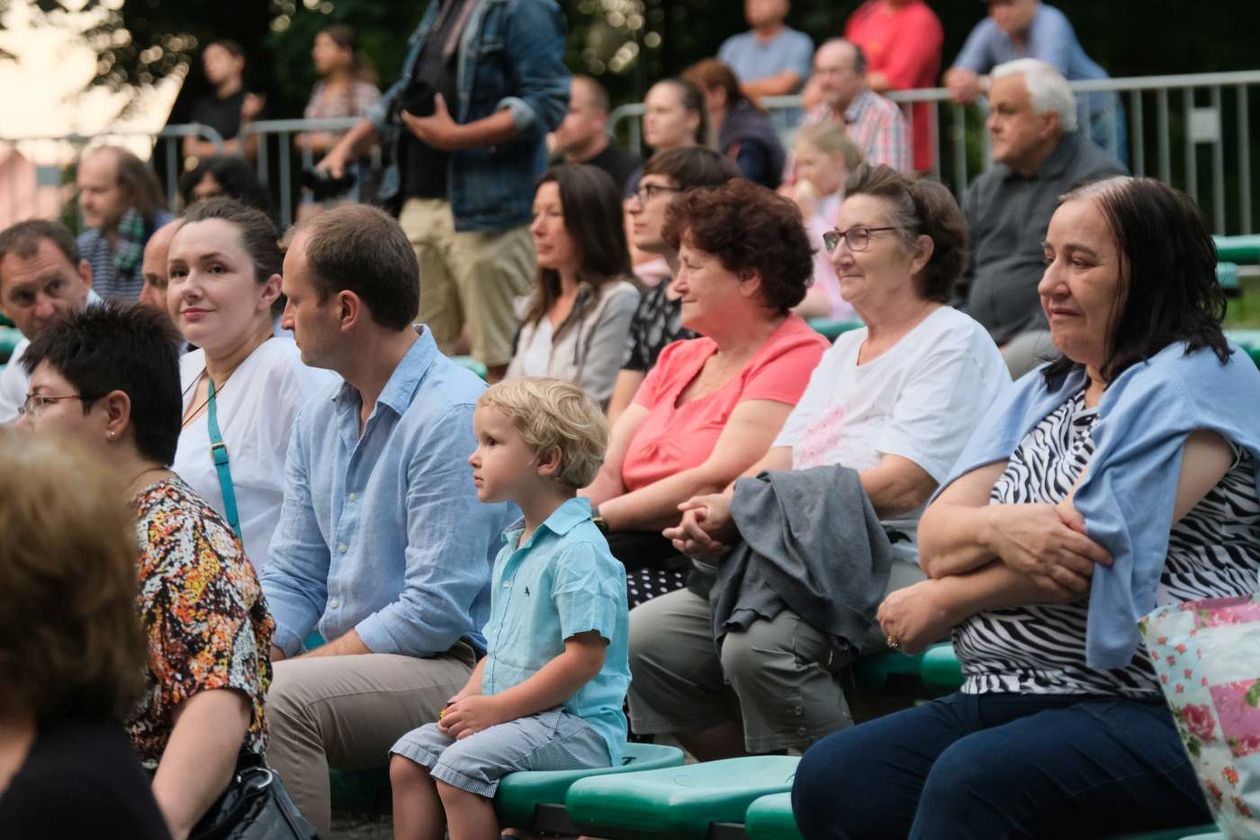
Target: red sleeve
785	370
915	54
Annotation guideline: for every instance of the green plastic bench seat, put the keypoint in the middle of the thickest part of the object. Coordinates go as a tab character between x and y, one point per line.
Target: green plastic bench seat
1227	276
771	818
522	797
358	790
678	803
1238	249
831	329
470	363
1248	340
535	800
10	337
941	668
1186	832
937	667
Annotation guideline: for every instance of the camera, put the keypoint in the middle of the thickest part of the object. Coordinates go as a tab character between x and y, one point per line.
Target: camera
324	186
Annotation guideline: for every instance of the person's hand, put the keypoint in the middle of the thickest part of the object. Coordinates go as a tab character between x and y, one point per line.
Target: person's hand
1049	545
334	163
439	130
465	716
963	85
706	528
251	106
276	654
916	616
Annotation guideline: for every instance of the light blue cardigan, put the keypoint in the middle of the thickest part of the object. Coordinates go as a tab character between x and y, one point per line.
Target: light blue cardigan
1127	495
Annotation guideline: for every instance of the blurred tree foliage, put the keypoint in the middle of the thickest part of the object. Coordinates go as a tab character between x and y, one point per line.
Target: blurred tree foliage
627	43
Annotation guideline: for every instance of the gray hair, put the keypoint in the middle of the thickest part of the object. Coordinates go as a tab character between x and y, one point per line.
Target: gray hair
1047	89
859	55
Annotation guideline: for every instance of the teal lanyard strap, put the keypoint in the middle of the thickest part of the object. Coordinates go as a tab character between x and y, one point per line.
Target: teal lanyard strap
219	454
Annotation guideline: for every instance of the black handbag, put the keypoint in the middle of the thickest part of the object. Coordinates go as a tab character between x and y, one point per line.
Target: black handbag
255	806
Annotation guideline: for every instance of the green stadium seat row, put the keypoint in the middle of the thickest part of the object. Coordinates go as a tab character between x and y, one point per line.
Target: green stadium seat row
9	339
937	668
831	329
1238	249
693	802
1248	340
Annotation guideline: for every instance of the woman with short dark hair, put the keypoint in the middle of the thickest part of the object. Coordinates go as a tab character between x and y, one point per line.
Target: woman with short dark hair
743	132
71	650
894	402
575	324
108	377
1121	477
711	405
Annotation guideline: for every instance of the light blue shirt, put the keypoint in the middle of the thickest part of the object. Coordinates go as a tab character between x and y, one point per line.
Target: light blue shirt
561	582
382	532
752	59
1130	484
1050	39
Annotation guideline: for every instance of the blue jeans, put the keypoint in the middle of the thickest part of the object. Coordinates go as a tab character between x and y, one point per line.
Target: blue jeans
1001	765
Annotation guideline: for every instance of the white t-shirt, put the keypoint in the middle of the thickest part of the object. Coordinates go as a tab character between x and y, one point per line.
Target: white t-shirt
920	400
256	410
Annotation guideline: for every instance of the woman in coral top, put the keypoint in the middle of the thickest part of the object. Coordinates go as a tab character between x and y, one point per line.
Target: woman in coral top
711	406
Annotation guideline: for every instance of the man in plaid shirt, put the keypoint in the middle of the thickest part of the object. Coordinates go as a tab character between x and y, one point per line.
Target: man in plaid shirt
873	122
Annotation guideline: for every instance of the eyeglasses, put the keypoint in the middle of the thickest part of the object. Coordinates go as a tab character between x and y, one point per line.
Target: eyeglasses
646	192
858	237
36	403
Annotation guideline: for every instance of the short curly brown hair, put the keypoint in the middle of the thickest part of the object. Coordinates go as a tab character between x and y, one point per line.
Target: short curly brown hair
747	226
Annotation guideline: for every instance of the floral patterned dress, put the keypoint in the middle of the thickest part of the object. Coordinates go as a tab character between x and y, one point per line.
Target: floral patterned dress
207	624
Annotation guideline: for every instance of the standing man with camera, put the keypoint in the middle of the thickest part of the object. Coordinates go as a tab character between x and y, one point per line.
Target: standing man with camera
483	83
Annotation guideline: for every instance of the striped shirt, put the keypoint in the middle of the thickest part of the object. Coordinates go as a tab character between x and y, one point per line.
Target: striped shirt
1213	552
876	124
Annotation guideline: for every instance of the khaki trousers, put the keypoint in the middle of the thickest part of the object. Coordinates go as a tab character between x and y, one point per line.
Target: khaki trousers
346	712
470	278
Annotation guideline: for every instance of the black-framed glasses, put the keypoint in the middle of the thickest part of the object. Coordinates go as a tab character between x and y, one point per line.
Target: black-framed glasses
646	192
858	237
36	403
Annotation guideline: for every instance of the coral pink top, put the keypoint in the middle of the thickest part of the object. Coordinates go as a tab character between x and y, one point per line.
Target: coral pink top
680	437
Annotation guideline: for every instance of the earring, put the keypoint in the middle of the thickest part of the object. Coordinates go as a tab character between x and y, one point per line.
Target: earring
111	435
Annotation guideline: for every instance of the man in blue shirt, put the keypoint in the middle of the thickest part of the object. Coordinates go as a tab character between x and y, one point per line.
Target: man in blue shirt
1031	29
771	59
382	545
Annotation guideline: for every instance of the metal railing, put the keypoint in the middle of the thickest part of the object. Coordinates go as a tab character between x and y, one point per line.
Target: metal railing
1192	131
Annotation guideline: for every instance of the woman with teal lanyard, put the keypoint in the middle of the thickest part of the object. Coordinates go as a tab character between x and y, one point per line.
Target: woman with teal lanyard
242	387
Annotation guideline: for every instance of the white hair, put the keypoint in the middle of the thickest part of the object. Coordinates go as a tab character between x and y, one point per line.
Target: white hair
1047	89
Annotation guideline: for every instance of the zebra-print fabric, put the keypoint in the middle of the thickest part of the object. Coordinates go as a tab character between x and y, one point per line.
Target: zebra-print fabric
1214	551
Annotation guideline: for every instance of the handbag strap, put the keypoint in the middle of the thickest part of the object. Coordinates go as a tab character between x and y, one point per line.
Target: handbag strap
219	454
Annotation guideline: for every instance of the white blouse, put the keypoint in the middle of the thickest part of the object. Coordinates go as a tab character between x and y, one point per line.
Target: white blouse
256	409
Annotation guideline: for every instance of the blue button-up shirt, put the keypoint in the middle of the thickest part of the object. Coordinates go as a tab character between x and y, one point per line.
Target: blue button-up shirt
561	582
382	532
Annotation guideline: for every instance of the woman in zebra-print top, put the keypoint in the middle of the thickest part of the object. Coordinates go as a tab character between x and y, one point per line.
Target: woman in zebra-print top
1039	742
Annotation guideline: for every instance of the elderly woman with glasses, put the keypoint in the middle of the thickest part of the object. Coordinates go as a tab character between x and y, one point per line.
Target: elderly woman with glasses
894	401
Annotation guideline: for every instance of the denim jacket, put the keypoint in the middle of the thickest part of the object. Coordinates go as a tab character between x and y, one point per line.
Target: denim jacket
511	55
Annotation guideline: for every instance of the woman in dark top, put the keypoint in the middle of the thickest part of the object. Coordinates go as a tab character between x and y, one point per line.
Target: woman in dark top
744	132
71	650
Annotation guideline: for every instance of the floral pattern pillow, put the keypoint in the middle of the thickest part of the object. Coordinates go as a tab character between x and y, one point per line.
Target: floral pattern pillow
1207	655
